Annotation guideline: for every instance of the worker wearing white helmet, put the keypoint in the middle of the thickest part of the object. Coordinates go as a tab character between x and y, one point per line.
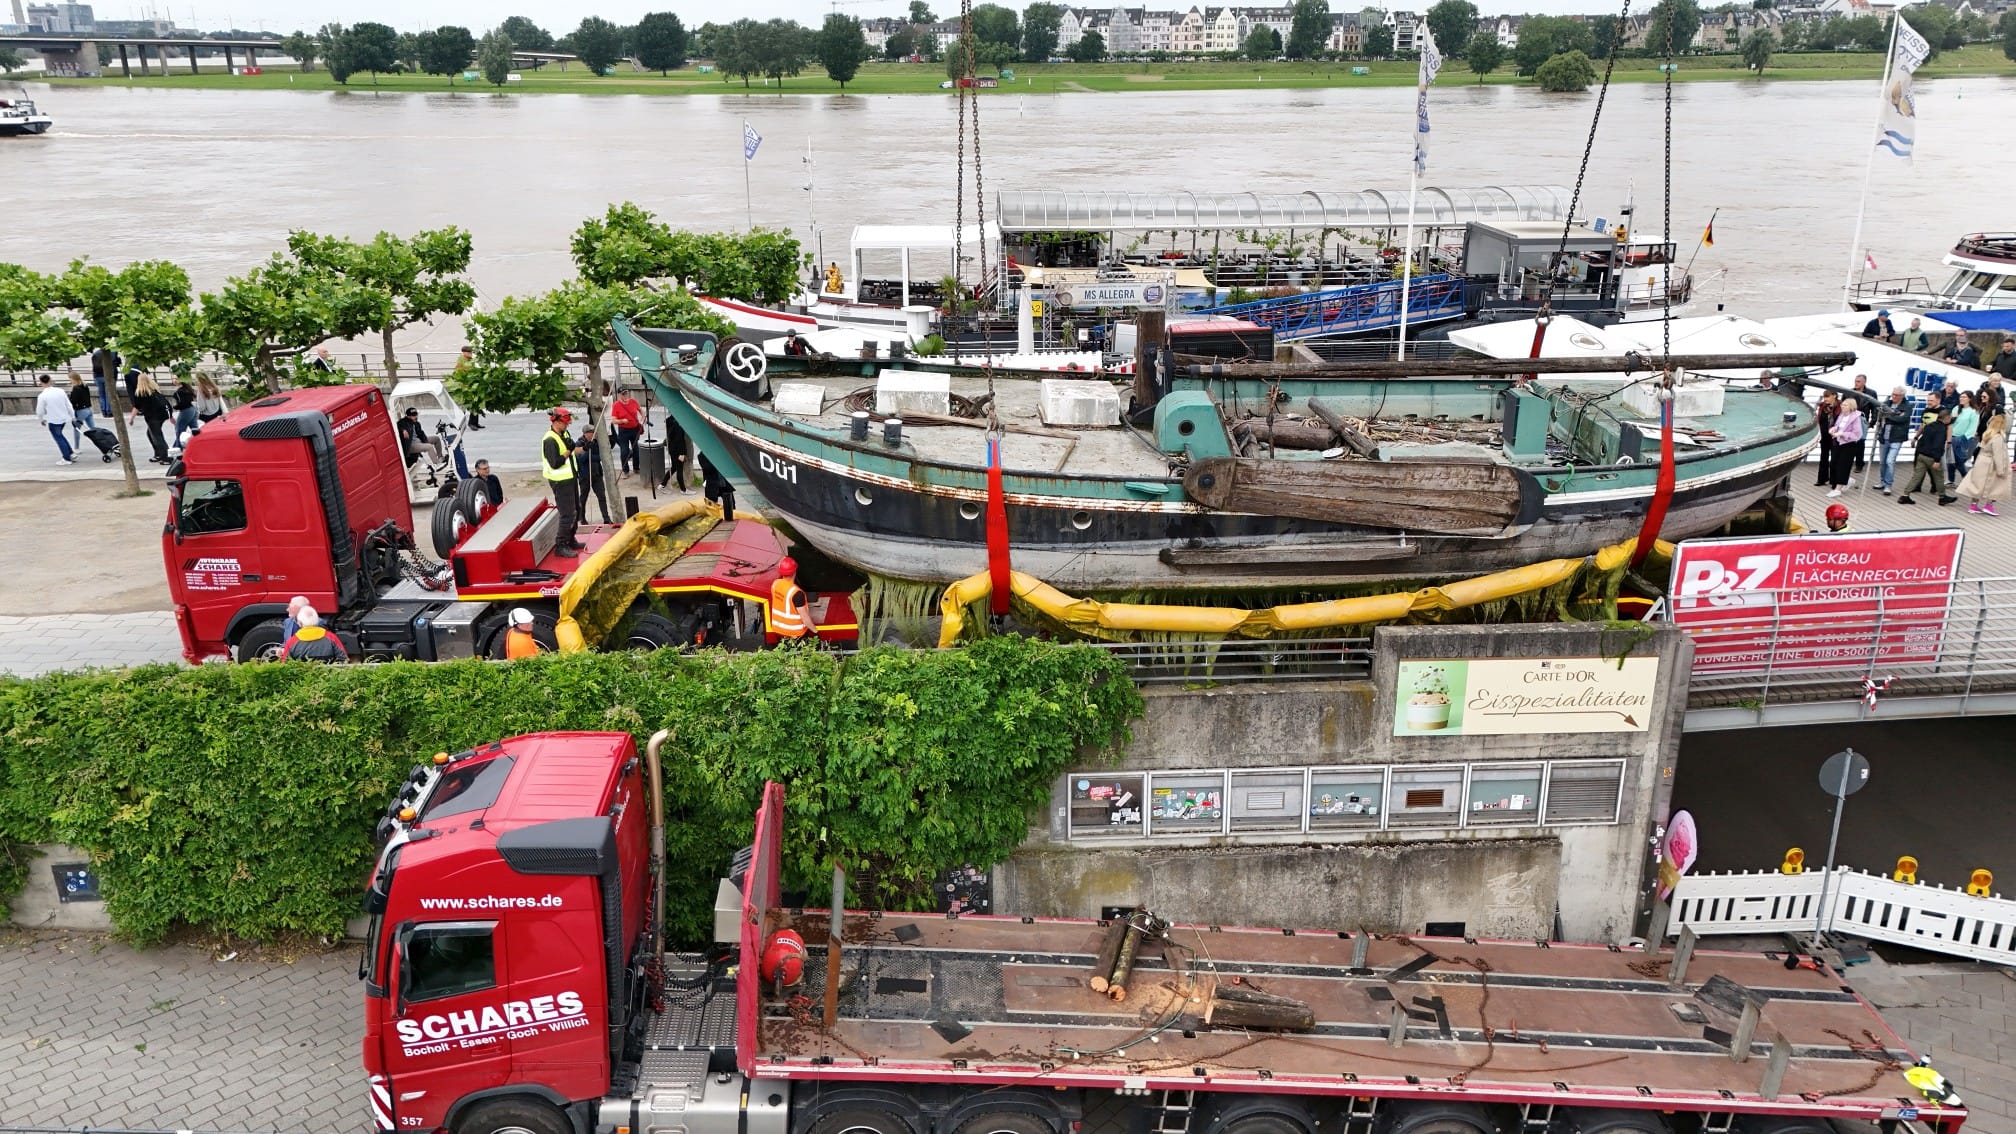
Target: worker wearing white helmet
518	639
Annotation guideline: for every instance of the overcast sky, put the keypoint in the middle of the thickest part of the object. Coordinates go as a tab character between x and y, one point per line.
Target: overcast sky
561	15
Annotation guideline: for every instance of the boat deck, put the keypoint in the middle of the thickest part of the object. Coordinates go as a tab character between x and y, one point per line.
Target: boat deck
1006	999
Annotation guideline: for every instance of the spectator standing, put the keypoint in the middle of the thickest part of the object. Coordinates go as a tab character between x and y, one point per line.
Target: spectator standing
677	454
628	418
210	404
1828	412
1988	480
1962	352
80	409
1992	398
1893	423
1865	404
322	362
292	622
1847	443
716	487
52	409
1913	339
185	408
151	407
311	642
1929	458
492	487
2004	364
1960	450
1880	328
588	474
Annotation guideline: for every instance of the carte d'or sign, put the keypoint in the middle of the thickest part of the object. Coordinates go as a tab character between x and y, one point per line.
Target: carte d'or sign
1489	696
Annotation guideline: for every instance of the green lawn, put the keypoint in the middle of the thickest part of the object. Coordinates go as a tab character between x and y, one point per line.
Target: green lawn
904	78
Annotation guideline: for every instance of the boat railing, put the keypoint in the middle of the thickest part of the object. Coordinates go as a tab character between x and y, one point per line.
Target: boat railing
1988	246
1900	285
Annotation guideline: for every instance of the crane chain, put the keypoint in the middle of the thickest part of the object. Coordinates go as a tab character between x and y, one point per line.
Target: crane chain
1666	292
1588	149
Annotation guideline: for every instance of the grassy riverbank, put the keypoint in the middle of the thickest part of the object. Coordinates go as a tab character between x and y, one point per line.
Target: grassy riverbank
903	78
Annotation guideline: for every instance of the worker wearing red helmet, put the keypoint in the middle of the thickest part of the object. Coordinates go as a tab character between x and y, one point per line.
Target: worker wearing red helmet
556	464
790	614
1837	517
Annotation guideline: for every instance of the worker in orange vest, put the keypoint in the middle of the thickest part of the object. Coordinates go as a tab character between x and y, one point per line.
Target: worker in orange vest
518	640
790	615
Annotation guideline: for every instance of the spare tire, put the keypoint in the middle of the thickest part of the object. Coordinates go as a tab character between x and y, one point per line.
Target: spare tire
455	519
445	533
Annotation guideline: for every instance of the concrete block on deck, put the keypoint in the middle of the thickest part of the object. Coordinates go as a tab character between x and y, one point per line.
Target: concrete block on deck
905	391
1077	401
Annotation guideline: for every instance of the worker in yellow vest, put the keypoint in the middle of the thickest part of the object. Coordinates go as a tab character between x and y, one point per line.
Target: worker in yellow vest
556	464
790	614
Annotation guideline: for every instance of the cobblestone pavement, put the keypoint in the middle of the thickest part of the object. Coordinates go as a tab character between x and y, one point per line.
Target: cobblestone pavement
31	646
96	1033
177	1038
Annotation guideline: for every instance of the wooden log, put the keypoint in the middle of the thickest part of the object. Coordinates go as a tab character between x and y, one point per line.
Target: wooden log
1285	433
1123	964
1512	367
1357	442
1448	497
1109	951
1286	1015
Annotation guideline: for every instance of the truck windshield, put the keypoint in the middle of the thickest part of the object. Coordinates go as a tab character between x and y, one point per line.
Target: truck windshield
471	787
206	506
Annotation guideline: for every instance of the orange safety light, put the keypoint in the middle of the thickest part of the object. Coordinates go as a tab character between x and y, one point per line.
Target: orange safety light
440	757
407	815
1795	862
1907	870
1981	884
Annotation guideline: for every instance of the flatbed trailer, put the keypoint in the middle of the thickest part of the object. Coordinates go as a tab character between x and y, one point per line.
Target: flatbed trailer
515	984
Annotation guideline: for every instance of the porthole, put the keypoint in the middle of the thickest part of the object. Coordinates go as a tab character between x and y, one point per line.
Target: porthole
1081	519
862	498
969	510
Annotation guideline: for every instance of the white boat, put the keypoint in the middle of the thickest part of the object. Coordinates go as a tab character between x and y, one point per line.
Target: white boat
1983	279
19	116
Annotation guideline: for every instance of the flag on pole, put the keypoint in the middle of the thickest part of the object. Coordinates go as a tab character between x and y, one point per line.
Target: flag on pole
1708	234
1431	63
1900	112
750	140
1869	259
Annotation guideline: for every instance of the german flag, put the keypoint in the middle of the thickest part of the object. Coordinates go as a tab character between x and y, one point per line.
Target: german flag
1708	234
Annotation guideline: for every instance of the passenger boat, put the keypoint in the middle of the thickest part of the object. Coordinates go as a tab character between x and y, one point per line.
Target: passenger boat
1227	477
19	116
1983	278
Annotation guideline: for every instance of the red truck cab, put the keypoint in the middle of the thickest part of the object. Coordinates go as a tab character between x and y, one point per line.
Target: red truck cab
504	982
278	499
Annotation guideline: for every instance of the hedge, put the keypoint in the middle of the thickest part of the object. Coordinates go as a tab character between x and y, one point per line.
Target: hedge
240	799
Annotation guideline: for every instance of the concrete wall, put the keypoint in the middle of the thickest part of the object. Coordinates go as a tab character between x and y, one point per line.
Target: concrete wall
38	907
1506	883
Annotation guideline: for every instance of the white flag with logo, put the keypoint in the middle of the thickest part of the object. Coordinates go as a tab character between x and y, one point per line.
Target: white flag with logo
1431	65
1900	112
750	140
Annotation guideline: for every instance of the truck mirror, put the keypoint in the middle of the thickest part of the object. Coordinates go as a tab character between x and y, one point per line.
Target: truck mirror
403	979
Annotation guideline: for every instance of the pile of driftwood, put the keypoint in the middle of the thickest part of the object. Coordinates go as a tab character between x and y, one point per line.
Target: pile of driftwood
1230	1003
1325	428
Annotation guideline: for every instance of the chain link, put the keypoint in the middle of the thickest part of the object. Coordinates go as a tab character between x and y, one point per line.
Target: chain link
1588	148
1666	292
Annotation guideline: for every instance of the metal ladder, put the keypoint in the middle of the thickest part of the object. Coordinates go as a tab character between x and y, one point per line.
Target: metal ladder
1359	1114
1173	1114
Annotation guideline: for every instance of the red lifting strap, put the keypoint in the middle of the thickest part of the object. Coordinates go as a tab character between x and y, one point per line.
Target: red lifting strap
997	530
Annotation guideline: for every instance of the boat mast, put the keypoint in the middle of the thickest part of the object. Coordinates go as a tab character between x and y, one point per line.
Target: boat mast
1869	170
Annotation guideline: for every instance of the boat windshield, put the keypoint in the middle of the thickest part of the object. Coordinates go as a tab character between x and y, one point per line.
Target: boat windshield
1970	284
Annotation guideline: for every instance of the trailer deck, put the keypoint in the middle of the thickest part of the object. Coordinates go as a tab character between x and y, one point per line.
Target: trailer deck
1001	1000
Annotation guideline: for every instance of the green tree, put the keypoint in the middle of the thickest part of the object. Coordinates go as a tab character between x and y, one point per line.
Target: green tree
1483	53
921	13
1308	28
1453	23
40	331
1684	19
302	48
2009	35
335	41
1039	31
446	50
661	42
494	57
901	44
1568	71
407	56
1792	35
1757	49
1090	48
628	246
1936	24
993	23
599	43
410	280
373	48
1378	41
738	50
1602	35
786	47
526	35
842	48
1543	37
264	320
1262	43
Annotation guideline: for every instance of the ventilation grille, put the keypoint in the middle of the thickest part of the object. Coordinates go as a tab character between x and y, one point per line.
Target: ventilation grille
1584	793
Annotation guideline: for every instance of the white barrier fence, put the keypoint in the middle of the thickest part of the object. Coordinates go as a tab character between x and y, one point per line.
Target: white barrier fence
1860	905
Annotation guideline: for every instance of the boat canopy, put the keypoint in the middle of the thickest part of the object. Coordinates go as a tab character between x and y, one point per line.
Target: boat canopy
1999	319
916	237
1044	210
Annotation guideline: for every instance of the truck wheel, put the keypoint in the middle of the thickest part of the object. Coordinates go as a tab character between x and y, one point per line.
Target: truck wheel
1599	1121
261	643
455	517
860	1120
1005	1122
1441	1118
513	1116
545	631
1260	1124
650	632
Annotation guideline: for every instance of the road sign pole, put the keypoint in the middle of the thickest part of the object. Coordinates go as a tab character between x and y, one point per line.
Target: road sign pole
1841	789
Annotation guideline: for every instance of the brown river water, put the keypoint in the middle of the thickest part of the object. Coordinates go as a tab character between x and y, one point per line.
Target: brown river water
214	179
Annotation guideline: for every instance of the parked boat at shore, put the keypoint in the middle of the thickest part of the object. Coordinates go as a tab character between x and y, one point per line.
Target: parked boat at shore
1983	278
1232	480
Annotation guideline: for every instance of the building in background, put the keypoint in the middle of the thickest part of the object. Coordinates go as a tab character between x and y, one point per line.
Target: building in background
59	19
